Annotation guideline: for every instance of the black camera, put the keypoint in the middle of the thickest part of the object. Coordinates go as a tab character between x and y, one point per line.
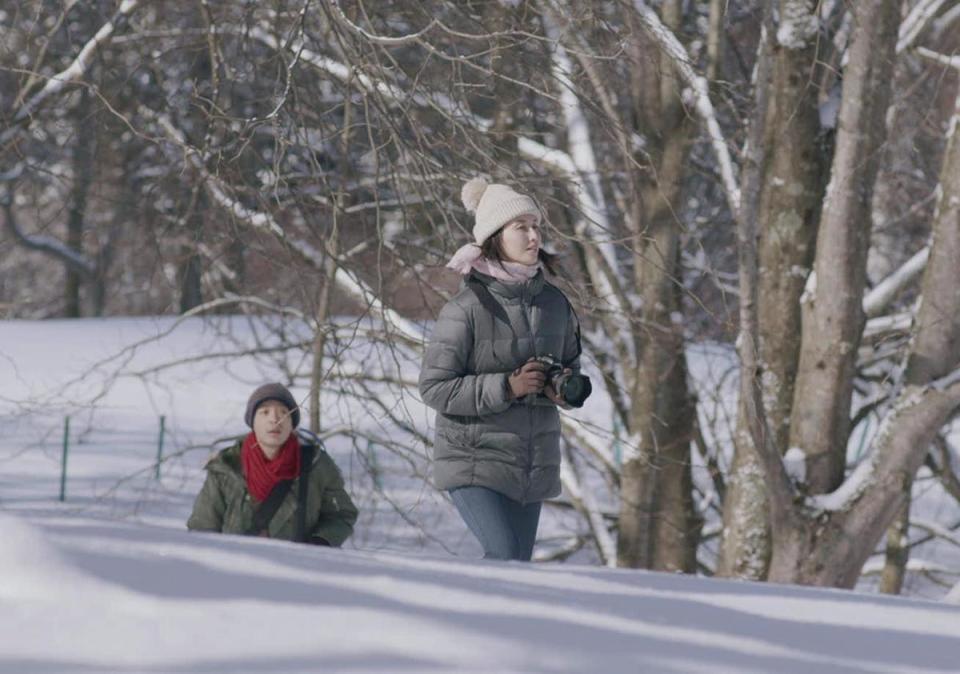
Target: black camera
572	388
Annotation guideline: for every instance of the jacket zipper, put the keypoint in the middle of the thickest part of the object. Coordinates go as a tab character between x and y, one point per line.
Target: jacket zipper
528	476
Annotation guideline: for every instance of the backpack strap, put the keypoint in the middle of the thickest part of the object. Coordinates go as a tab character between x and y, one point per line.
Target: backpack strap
494	309
266	510
308	451
487	300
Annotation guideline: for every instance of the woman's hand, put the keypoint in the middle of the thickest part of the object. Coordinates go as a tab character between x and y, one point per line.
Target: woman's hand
526	379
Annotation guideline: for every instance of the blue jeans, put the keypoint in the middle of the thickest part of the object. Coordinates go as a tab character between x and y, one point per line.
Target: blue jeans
505	528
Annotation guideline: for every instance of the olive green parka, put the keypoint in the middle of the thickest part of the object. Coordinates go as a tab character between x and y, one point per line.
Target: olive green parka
225	505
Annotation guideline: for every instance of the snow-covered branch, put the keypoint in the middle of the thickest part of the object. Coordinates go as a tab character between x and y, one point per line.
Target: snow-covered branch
593	225
378	39
917	409
943	59
576	168
798	23
701	93
71	73
916	21
596	224
884	292
937	530
875	567
75	259
357	77
944	21
345	279
948	380
879	325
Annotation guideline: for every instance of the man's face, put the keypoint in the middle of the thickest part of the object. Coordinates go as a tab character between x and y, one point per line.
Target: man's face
272	426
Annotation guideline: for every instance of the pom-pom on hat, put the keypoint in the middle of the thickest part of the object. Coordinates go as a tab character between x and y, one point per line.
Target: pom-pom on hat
494	205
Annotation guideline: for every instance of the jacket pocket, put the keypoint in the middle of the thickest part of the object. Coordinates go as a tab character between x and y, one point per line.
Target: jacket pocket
457	433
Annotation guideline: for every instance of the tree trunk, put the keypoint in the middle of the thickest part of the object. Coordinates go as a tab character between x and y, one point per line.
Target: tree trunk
659	527
320	337
715	39
499	18
830	547
898	549
937	344
83	152
789	204
746	546
190	272
833	317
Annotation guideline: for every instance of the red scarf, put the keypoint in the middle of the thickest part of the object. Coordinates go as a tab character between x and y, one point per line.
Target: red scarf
262	475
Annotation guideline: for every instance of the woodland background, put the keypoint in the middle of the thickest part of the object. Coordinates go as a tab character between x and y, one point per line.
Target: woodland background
780	177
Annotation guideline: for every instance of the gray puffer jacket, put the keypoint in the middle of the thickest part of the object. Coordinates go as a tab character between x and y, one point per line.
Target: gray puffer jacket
483	437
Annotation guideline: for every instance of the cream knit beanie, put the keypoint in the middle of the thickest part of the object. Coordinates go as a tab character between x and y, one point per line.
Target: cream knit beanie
495	205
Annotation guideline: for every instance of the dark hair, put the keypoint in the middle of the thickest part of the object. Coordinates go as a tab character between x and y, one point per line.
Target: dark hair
492	249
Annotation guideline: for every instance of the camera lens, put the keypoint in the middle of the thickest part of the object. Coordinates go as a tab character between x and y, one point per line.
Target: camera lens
576	389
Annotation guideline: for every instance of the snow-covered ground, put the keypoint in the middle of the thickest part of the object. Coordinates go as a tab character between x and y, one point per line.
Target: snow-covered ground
109	580
85	594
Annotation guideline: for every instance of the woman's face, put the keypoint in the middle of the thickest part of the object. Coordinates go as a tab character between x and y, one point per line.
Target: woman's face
520	240
272	424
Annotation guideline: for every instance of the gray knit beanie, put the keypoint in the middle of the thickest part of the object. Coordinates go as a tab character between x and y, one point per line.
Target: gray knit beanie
495	205
273	391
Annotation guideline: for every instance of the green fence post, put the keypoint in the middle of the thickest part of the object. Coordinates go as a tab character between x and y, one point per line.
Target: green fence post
163	423
63	460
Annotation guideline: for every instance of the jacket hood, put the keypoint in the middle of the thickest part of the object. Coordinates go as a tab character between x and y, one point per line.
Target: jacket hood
227	461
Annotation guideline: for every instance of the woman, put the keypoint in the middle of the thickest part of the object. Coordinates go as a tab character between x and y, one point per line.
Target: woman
271	484
497	447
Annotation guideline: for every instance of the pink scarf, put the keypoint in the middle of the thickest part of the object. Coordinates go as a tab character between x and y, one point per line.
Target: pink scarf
469	257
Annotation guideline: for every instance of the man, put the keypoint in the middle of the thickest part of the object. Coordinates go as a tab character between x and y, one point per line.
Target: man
270	483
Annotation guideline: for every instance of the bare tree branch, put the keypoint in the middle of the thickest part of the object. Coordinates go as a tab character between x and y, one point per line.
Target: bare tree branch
76	260
379	39
583	500
701	93
71	73
261	220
